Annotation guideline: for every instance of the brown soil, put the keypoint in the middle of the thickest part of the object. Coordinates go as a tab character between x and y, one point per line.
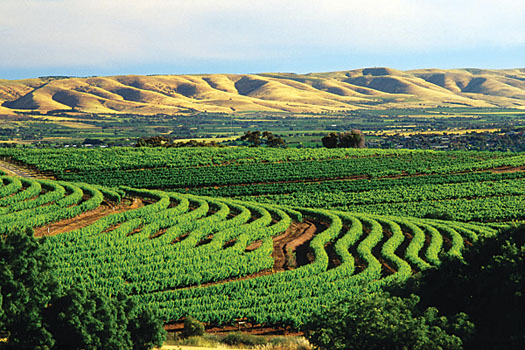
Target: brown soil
506	169
245	327
296	235
86	218
447	243
386	269
423	251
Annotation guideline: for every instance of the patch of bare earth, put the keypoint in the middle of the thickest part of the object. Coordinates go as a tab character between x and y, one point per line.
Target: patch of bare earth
87	218
508	169
285	245
243	326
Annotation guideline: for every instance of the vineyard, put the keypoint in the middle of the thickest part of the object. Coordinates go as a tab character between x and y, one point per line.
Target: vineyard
223	260
459	185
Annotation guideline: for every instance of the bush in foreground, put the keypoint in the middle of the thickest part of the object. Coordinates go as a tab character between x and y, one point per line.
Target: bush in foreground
379	321
38	314
192	327
488	284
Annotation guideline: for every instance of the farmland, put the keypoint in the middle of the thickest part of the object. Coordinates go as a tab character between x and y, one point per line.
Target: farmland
388	128
255	236
214	258
460	185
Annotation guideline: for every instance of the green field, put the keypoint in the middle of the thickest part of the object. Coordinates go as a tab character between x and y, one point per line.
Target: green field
460	185
185	255
259	235
306	129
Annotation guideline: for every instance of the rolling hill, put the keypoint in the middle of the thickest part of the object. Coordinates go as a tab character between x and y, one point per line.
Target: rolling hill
275	92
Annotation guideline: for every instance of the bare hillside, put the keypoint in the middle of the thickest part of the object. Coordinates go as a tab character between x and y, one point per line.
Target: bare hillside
279	92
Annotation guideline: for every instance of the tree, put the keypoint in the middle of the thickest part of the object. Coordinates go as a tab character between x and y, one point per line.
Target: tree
488	284
86	319
144	326
83	319
26	287
255	138
154	141
272	140
38	314
379	321
352	139
330	141
252	136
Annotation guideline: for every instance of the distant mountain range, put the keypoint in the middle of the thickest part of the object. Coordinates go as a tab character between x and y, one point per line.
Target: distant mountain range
277	92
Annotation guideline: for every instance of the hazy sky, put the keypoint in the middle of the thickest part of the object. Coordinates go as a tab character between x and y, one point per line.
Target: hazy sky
106	37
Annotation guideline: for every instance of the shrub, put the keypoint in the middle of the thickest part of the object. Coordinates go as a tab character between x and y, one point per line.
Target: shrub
238	338
192	327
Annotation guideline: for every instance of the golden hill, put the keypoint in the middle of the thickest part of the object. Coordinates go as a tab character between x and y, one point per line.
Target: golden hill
278	92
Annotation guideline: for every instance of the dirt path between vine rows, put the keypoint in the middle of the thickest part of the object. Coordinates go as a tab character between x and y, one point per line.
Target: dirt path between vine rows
86	219
284	246
12	169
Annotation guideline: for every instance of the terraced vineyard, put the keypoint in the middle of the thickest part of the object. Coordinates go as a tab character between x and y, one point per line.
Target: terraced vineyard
222	260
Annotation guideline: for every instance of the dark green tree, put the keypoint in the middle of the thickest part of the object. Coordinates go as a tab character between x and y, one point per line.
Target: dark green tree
83	319
272	140
254	137
488	284
379	321
352	139
37	314
144	326
26	287
330	140
154	141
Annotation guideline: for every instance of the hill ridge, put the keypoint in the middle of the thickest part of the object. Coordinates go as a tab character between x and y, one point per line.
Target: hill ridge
376	87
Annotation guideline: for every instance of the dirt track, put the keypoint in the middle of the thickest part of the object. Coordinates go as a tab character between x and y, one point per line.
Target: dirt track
85	219
16	170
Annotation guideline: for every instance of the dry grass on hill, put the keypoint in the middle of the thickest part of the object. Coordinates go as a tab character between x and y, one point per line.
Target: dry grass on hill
282	92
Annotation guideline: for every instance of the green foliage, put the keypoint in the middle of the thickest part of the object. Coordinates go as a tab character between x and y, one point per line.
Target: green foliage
376	321
239	338
254	137
192	327
437	214
145	327
453	185
82	319
26	286
353	139
38	313
487	283
163	252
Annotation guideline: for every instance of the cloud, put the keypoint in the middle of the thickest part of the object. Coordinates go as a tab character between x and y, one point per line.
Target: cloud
104	33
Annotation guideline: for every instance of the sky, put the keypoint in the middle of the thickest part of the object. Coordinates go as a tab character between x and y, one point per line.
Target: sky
113	37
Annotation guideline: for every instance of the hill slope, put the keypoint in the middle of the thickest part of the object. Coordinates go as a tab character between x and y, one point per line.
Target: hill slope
222	260
278	92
